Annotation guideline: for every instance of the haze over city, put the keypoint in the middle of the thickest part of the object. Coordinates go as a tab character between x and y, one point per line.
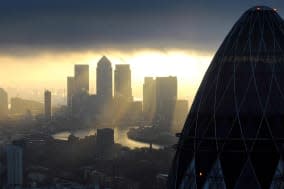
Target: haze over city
40	41
141	94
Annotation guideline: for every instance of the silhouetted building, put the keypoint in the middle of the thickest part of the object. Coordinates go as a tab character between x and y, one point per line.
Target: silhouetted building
105	138
166	97
122	81
149	98
22	106
70	90
233	136
47	104
3	104
104	80
81	89
14	160
180	113
81	78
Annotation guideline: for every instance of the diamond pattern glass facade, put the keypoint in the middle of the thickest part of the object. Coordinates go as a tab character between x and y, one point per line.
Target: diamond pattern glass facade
237	116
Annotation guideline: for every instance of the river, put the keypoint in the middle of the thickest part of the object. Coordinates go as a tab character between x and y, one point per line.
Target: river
120	137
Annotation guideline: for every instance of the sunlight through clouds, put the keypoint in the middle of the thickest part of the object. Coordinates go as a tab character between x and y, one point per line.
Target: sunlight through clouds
51	69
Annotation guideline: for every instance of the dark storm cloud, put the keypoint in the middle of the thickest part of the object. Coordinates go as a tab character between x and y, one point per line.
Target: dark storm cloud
85	24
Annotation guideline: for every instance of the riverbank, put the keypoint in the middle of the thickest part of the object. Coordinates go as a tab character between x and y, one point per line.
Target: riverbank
120	137
152	135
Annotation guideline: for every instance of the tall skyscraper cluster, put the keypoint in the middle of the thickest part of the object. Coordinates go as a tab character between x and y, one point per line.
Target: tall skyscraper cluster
114	101
160	103
103	103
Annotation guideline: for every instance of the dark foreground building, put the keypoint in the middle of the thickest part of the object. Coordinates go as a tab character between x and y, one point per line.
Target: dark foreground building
234	135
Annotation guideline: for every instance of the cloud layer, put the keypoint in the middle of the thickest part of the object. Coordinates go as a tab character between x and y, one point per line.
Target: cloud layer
121	24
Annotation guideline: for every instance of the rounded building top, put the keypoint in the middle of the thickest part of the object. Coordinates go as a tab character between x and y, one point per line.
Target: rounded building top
238	112
262	8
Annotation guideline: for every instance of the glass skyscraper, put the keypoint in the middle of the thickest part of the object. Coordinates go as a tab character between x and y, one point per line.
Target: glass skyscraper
234	134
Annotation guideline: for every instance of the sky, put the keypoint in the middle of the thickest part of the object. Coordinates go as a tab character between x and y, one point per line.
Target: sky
41	40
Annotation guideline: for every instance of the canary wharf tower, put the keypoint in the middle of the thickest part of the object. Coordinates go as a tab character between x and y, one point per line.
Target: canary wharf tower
233	137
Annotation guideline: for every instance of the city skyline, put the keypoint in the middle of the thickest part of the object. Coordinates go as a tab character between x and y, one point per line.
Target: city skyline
183	44
149	63
141	94
61	94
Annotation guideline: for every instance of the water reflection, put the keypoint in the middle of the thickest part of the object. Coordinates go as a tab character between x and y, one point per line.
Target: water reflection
120	137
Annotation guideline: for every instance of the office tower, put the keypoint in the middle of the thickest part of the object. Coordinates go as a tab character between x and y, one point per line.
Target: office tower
81	79
14	160
122	82
70	90
47	104
149	98
233	135
104	79
3	104
166	97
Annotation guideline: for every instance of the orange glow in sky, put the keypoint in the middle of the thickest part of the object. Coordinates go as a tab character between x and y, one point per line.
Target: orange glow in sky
49	70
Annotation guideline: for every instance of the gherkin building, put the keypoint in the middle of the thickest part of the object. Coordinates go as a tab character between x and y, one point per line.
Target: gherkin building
233	137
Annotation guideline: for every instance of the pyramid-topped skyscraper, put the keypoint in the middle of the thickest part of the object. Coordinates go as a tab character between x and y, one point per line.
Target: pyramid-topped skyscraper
233	137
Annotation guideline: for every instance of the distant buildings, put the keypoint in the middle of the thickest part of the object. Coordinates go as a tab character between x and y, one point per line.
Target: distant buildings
47	104
160	104
21	106
3	104
149	98
166	97
80	92
14	160
104	80
158	107
81	79
70	90
122	82
180	113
